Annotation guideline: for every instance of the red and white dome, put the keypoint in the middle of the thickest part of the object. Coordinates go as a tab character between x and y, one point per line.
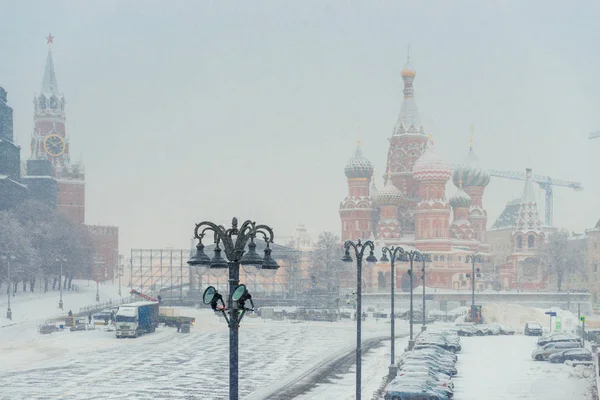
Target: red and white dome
431	166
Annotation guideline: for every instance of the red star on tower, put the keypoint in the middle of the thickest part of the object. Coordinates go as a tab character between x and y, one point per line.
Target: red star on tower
50	38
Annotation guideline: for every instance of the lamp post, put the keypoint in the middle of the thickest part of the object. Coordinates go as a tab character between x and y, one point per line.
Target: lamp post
359	251
120	271
234	241
60	286
473	258
393	253
410	256
8	257
424	258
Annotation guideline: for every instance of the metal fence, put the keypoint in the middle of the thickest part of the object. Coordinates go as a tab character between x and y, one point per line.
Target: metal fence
92	308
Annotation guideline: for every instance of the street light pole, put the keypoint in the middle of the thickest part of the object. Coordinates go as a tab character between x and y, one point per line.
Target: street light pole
393	253
359	251
60	286
120	272
8	257
410	256
424	258
473	258
234	241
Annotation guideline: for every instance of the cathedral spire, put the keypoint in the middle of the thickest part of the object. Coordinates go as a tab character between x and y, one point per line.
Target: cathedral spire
408	121
49	85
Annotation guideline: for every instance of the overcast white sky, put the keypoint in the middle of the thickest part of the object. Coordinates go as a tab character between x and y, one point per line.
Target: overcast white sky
192	110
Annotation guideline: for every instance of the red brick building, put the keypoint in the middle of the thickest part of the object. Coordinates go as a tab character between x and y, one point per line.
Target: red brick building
412	210
50	141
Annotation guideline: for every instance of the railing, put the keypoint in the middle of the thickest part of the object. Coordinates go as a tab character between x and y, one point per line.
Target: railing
107	304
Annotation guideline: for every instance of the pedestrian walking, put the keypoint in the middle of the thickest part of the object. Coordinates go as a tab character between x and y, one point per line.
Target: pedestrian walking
70	313
90	318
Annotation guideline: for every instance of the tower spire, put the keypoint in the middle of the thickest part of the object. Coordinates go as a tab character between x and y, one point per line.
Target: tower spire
408	121
49	85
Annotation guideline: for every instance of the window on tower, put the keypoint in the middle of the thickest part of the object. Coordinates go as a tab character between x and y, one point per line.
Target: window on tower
42	102
530	241
519	242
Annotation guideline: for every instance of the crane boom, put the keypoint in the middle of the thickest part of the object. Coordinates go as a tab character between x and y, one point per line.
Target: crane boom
546	183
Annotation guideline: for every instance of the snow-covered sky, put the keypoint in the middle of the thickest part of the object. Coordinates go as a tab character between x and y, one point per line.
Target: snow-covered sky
191	110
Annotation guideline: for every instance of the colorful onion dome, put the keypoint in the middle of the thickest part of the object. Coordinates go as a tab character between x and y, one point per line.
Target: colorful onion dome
460	199
471	172
358	166
389	195
431	166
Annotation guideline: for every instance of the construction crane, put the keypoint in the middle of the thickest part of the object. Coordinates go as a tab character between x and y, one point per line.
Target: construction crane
546	183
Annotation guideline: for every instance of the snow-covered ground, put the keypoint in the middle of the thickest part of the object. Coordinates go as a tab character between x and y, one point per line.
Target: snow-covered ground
166	364
501	368
39	306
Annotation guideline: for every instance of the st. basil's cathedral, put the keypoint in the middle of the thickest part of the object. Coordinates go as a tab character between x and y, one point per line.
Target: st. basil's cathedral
411	209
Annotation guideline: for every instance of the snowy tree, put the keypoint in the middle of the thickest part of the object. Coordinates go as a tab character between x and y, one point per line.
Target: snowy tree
326	264
16	248
563	257
55	237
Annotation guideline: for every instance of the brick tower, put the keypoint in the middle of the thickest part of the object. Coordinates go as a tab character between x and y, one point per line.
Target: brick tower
49	141
433	210
356	211
474	179
407	144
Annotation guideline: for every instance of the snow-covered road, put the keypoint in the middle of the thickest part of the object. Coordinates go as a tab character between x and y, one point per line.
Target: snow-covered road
501	368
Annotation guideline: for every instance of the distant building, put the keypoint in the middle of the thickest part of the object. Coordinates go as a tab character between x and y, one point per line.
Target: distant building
38	184
515	239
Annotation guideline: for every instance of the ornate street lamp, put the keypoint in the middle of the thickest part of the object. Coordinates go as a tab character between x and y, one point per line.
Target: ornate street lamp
424	258
410	256
473	258
394	252
234	241
359	251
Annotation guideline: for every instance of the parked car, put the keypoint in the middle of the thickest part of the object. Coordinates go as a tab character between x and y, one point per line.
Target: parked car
571	354
533	329
410	392
557	337
542	353
442	379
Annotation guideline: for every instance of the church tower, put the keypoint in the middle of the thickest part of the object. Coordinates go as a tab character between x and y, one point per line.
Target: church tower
356	211
432	173
407	144
474	179
49	141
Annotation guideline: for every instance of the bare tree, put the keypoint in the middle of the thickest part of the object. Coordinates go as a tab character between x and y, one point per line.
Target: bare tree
326	264
563	256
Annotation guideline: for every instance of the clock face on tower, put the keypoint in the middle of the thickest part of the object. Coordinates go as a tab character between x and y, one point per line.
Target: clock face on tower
54	145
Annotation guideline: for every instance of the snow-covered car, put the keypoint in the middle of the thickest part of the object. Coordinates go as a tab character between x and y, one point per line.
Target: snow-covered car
533	329
442	379
437	351
439	341
415	364
397	390
572	355
556	338
430	360
434	356
543	353
463	330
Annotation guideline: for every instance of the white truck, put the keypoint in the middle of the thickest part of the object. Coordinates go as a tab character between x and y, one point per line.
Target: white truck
135	319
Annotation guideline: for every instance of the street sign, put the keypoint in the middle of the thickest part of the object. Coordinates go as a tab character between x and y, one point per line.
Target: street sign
582	319
557	324
550	313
